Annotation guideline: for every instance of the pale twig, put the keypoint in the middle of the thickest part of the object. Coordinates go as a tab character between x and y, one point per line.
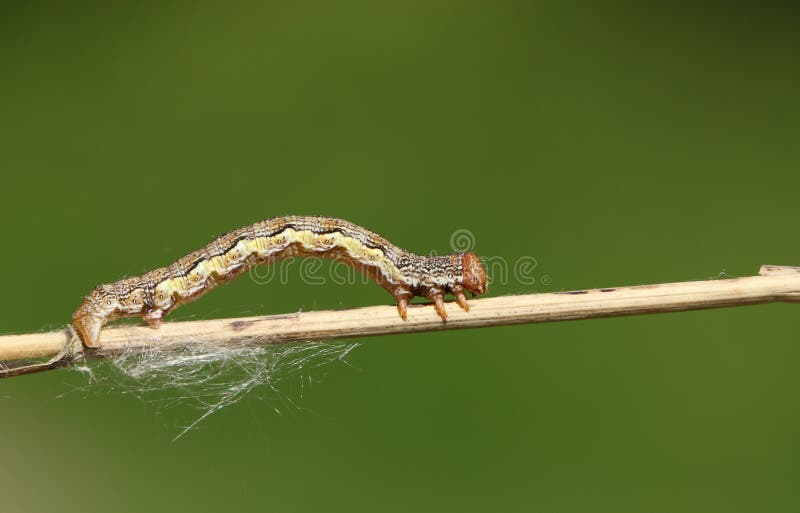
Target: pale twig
774	283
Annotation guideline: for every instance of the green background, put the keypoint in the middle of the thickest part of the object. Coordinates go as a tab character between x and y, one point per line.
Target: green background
615	143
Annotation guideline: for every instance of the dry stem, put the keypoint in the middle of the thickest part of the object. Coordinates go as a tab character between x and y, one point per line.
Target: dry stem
774	283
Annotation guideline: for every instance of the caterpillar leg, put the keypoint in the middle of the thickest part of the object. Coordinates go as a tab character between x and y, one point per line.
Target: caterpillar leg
402	297
438	305
461	299
402	308
153	318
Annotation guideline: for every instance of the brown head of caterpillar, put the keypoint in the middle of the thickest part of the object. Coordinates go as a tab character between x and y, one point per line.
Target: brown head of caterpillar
472	280
474	276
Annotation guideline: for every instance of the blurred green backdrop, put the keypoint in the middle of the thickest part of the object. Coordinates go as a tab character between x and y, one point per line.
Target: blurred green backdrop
615	143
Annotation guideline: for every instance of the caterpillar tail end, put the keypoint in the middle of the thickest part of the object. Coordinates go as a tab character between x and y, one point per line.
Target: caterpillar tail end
88	327
98	308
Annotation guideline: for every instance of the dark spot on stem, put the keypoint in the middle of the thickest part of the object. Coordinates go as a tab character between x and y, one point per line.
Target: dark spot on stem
240	325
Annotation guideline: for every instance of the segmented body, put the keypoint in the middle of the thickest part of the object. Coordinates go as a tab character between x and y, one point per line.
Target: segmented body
402	273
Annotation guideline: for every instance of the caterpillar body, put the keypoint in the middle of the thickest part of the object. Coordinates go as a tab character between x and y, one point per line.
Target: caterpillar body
402	273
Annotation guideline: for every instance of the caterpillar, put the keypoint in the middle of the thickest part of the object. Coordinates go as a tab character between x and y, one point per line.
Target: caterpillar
402	273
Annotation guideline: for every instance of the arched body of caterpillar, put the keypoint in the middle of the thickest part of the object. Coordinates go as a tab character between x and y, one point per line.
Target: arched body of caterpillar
402	273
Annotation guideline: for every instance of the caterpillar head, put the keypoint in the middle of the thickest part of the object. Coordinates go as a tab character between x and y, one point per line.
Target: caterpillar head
474	276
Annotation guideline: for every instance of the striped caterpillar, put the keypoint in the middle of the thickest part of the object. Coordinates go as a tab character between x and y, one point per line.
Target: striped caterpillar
404	274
